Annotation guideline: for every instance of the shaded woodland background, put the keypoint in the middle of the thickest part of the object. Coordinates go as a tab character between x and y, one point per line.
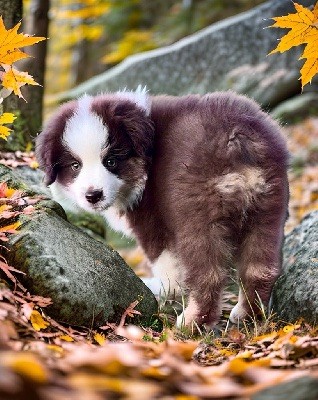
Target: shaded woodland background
87	37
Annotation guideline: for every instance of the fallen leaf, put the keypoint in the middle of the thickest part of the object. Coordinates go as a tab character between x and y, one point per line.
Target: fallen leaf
25	364
129	312
66	338
100	338
238	366
290	328
37	321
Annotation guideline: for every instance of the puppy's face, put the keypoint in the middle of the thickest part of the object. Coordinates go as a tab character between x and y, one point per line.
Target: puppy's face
96	152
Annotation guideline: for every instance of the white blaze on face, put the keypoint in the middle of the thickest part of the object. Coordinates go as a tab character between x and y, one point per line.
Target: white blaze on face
86	136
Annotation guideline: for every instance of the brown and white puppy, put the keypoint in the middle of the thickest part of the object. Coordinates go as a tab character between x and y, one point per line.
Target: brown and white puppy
200	182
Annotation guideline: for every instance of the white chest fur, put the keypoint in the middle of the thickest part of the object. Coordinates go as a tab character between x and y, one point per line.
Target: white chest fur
118	222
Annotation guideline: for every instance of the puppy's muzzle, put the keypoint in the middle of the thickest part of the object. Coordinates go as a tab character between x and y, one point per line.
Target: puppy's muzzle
94	196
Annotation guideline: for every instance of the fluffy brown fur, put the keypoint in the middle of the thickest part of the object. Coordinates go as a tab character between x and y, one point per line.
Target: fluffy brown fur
216	190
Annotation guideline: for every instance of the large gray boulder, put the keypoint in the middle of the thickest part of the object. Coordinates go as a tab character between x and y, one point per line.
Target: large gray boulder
230	54
302	388
88	281
295	294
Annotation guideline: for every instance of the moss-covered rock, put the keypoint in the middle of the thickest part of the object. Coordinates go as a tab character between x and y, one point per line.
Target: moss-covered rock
88	281
305	387
295	294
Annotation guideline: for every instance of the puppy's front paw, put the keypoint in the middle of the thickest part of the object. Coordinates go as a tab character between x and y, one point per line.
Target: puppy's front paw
154	284
237	314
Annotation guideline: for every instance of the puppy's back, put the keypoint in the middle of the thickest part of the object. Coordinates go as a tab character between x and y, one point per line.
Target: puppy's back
232	127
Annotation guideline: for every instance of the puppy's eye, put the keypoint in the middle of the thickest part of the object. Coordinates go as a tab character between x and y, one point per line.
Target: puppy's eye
75	166
110	163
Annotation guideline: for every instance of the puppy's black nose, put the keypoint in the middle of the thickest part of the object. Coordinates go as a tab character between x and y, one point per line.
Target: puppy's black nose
93	196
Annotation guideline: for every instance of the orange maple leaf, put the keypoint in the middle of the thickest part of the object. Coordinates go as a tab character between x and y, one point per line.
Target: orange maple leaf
13	79
10	43
303	27
6	191
12	228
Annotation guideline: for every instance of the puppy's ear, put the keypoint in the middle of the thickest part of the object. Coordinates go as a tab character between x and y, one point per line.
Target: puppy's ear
48	144
45	156
137	125
140	97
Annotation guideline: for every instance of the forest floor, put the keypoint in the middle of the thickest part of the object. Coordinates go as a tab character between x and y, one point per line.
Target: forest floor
43	359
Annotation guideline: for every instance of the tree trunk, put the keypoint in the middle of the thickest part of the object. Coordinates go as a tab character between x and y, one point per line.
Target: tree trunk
29	115
36	25
11	11
80	64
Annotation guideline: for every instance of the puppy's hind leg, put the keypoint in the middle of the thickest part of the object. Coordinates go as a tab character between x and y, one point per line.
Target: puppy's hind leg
259	265
204	303
205	275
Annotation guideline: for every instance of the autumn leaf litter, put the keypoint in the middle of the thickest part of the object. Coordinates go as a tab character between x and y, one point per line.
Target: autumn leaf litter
42	358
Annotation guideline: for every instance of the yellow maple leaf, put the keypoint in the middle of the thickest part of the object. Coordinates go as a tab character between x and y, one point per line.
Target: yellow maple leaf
11	41
301	24
303	27
290	328
37	321
10	228
14	79
10	57
4	132
6	118
238	366
4	207
66	338
25	364
309	70
99	338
